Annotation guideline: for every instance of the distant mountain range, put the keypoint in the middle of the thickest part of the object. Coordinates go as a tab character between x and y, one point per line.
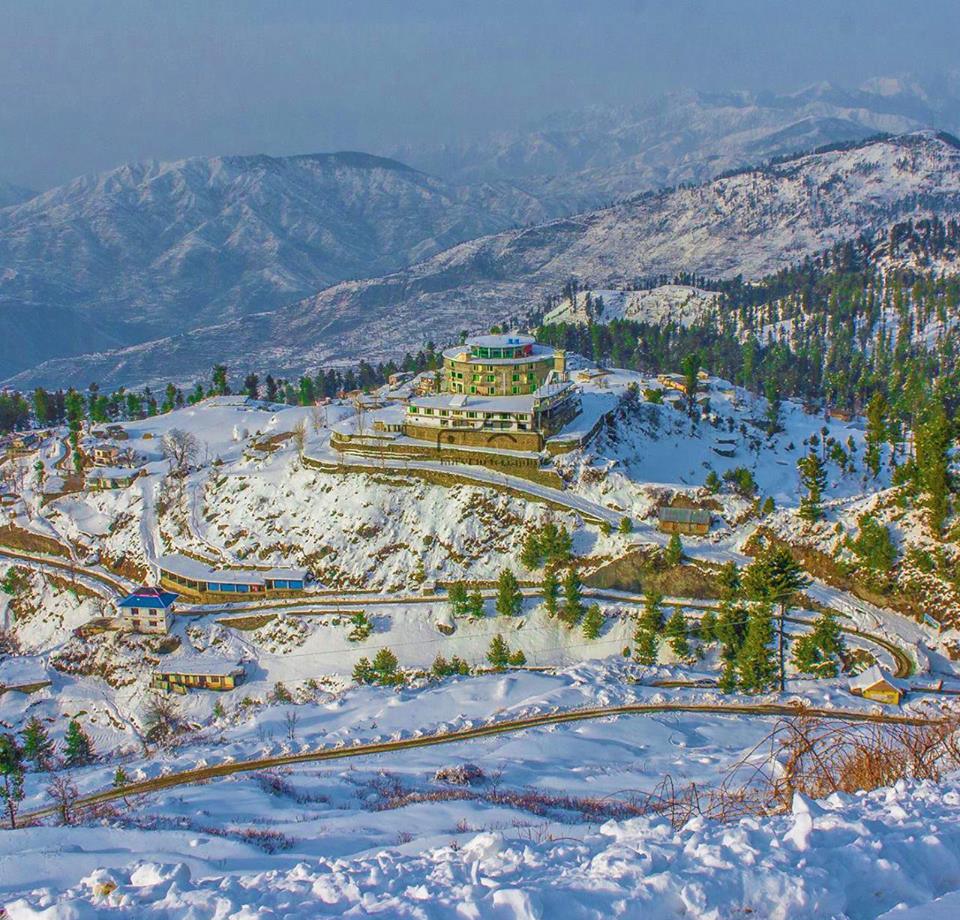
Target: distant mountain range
95	271
751	223
581	160
154	248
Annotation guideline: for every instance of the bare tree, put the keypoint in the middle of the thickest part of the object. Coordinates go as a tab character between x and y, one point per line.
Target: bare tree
162	719
360	407
290	718
181	449
300	436
64	794
318	418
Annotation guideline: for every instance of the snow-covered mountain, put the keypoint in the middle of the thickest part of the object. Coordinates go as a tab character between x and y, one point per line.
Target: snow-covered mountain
585	158
751	223
153	248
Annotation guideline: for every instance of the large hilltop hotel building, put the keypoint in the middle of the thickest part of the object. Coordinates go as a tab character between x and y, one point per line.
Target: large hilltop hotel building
499	391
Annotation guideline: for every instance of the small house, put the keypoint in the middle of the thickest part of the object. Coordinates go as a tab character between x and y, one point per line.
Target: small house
876	684
24	442
147	610
201	672
111	477
684	520
106	455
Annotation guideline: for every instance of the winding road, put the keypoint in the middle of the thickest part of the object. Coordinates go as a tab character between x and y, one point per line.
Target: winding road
203	774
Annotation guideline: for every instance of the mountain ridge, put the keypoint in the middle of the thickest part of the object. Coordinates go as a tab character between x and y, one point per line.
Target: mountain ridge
750	223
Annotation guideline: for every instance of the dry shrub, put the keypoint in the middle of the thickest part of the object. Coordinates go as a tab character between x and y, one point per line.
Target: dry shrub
817	757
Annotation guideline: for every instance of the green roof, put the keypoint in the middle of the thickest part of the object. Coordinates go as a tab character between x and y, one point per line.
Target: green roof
685	515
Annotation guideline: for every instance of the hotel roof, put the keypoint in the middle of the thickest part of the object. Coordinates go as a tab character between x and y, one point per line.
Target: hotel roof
501	340
537	352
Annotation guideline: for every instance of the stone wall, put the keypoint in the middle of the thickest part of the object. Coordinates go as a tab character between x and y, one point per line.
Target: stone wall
529	441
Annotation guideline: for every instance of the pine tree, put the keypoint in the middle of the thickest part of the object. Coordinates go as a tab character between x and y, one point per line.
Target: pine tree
572	609
731	628
499	653
828	636
363	672
384	666
876	433
756	667
120	778
530	554
551	591
651	620
813	477
728	676
475	608
592	622
457	598
730	582
625	525
806	656
708	628
775	578
673	555
37	744
933	442
517	659
11	776
676	633
78	749
645	647
873	544
509	598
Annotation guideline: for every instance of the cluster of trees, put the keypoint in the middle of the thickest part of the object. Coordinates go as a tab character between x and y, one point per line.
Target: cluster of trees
652	627
51	407
563	600
35	748
382	670
850	334
463	602
750	636
549	544
501	656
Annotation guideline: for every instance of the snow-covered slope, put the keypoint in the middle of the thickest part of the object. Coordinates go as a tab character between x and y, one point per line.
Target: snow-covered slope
150	248
750	223
666	302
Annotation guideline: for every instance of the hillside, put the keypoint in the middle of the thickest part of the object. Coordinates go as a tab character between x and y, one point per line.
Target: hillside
152	248
750	223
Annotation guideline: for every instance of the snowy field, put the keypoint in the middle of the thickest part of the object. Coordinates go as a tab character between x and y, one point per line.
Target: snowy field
544	827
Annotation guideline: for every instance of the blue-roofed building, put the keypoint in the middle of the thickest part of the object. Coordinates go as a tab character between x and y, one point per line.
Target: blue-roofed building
147	610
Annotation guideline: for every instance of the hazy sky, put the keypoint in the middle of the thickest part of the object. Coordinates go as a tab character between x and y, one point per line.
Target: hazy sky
88	85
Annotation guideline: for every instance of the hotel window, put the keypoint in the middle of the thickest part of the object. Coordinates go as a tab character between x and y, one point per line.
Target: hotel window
516	377
473	389
514	390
